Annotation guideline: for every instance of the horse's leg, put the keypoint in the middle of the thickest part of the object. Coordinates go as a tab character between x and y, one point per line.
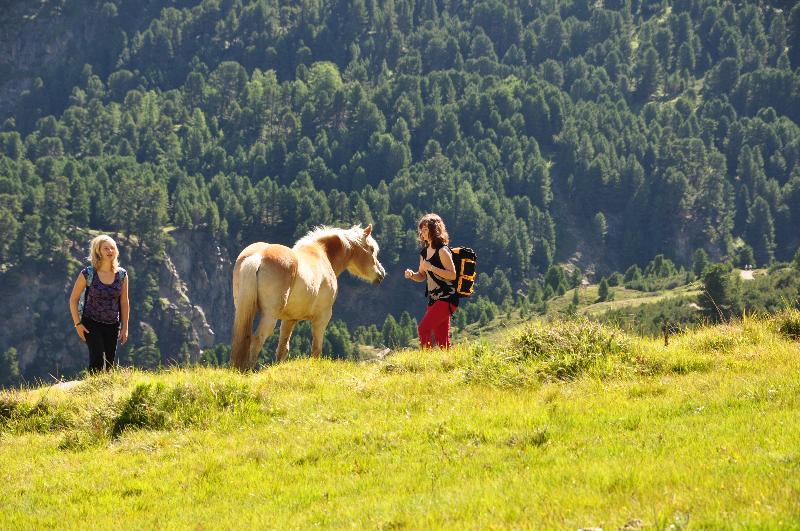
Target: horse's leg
265	327
318	325
287	326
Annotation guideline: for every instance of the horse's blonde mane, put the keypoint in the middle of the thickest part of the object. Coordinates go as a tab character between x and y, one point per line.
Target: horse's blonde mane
349	237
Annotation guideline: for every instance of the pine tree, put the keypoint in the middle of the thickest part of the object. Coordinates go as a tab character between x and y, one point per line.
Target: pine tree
794	36
572	309
390	333
744	256
633	274
147	355
408	327
699	262
338	342
761	231
575	278
651	73
600	227
603	290
555	279
721	296
9	368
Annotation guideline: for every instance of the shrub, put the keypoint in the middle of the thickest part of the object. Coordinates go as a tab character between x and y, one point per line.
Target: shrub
567	349
141	410
154	406
45	416
788	324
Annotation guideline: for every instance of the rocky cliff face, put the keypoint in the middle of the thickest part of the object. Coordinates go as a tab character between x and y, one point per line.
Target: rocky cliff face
196	280
37	37
194	312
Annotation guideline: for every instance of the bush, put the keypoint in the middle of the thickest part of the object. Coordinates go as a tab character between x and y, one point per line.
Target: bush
45	416
788	324
719	339
141	410
568	349
155	407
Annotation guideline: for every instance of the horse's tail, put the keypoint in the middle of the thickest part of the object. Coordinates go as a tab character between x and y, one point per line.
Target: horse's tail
245	298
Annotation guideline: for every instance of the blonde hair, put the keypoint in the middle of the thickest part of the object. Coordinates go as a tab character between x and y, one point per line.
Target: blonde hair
94	251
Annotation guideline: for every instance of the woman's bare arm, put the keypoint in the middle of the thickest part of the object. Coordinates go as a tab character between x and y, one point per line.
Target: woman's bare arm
77	289
125	311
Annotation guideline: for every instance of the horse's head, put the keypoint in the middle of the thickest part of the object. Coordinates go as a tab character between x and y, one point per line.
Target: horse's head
364	263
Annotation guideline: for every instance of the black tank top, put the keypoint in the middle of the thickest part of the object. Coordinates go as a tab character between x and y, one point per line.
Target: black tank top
445	290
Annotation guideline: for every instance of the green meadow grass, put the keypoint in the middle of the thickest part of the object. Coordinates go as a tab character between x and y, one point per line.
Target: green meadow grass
588	305
553	425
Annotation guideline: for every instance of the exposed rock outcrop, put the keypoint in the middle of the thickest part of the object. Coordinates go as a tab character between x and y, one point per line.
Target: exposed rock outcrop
194	310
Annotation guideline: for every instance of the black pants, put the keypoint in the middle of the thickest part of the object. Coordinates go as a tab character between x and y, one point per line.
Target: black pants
102	343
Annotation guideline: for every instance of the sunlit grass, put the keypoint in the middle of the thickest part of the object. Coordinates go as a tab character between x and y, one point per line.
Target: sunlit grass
552	425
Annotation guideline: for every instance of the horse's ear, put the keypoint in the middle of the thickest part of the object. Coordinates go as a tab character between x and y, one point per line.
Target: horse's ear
368	230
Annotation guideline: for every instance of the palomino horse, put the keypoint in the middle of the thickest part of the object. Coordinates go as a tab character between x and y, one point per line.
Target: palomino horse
295	284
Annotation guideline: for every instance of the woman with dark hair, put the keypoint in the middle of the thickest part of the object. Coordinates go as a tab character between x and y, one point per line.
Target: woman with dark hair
436	268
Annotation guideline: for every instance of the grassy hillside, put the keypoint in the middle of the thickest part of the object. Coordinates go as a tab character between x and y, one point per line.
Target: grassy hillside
568	424
588	305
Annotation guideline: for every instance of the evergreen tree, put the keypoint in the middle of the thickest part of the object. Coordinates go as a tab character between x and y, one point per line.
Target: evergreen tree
794	36
9	368
699	262
651	73
603	290
721	296
390	332
408	327
744	256
600	227
575	278
555	279
633	274
572	309
761	231
146	354
338	342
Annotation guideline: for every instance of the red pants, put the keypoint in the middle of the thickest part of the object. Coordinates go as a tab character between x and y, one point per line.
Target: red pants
436	322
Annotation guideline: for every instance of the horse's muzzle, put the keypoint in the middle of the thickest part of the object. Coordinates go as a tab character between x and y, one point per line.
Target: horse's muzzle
379	278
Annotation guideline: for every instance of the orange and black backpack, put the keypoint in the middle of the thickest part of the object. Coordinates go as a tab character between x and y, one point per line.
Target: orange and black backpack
466	262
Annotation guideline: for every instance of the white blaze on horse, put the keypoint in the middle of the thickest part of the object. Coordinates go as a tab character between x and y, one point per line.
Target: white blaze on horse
295	284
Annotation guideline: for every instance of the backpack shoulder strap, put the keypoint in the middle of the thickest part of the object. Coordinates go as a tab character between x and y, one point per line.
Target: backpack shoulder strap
82	301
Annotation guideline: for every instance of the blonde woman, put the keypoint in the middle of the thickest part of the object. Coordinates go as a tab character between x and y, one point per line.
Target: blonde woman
99	304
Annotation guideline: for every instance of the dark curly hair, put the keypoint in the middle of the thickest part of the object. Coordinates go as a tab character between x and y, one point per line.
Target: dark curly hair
437	232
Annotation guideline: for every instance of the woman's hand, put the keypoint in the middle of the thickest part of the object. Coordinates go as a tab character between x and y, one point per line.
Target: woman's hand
82	331
409	274
123	335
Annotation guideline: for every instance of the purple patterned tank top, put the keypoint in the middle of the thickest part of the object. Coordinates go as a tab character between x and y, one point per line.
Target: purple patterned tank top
102	300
